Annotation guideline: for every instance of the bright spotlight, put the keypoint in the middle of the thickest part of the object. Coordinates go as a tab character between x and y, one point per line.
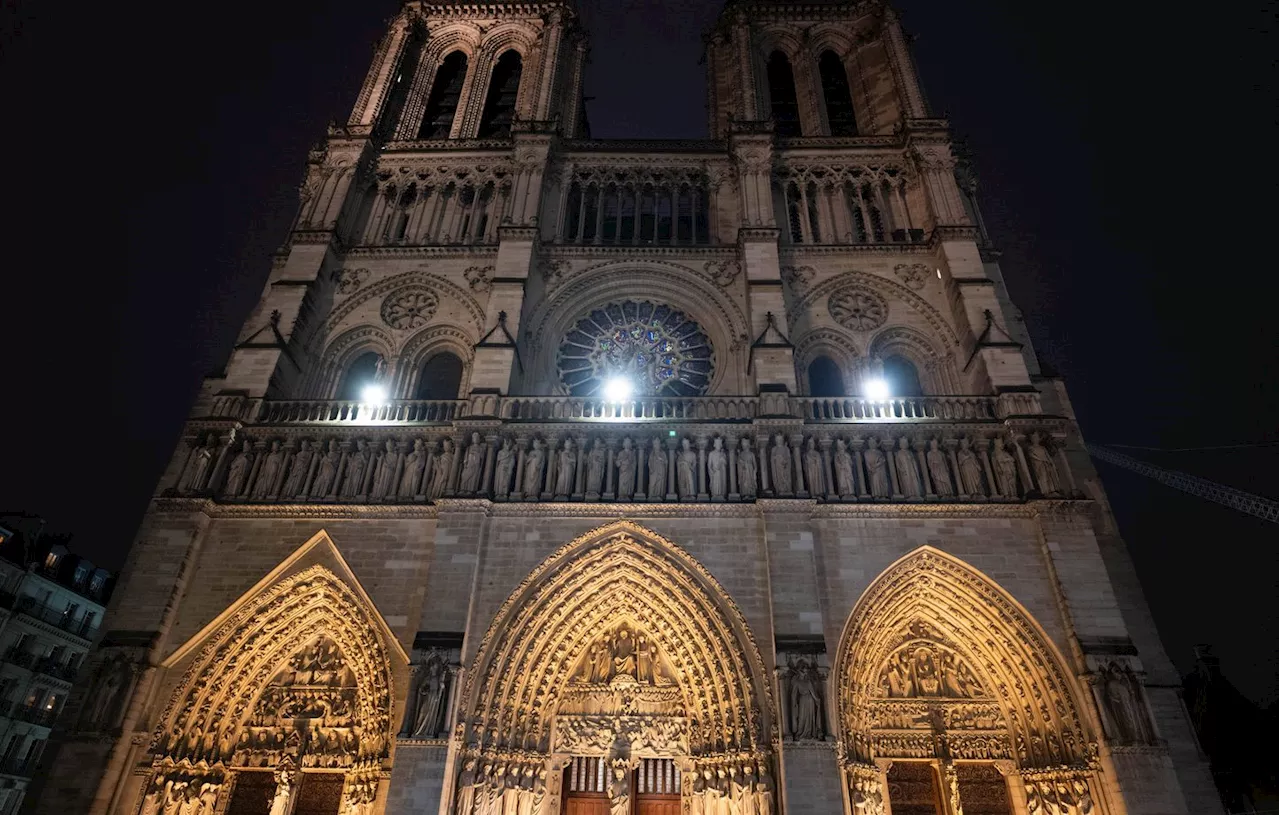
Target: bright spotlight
876	389
373	395
617	389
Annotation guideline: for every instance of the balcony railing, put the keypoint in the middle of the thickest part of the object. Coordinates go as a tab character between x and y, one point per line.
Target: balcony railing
715	448
21	767
56	669
34	715
81	627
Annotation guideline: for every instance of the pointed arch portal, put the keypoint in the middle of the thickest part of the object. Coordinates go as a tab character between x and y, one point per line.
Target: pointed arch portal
940	673
620	648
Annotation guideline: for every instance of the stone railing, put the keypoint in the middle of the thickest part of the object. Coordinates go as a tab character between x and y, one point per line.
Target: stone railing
923	408
404	411
552	408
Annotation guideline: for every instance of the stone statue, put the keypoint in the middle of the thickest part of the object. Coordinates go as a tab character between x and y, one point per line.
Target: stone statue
877	469
813	467
1042	466
384	474
238	472
1118	698
298	471
970	469
844	469
112	682
432	696
718	469
533	470
193	478
644	661
595	468
806	701
284	789
1006	469
506	465
908	476
272	464
686	468
938	469
356	466
620	789
324	483
657	471
626	460
442	469
624	653
414	464
780	465
746	469
472	466
467	787
566	468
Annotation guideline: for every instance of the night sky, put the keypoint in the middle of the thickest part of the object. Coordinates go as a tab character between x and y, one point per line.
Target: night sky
1125	150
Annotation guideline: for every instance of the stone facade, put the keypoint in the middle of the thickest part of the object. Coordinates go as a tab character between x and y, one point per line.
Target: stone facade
416	553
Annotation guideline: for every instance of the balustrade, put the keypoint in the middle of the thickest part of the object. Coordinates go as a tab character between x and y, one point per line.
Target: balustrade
634	205
402	411
838	202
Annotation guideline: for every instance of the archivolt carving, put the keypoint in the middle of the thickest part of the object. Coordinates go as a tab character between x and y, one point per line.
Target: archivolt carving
437	283
884	287
831	342
308	647
619	574
931	630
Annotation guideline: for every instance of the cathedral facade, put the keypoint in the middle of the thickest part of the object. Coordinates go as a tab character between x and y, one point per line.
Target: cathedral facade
560	475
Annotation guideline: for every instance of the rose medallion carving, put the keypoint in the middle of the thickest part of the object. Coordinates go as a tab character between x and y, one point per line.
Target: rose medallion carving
413	308
858	309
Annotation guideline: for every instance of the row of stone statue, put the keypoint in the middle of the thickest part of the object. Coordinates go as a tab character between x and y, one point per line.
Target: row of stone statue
658	468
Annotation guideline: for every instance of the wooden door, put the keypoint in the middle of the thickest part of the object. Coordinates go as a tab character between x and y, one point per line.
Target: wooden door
914	789
983	790
253	793
320	794
657	787
585	790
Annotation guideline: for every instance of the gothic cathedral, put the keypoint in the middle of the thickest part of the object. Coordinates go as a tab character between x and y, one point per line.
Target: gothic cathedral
563	475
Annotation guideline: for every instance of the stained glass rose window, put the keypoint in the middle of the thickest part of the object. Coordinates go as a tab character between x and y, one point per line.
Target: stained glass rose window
658	349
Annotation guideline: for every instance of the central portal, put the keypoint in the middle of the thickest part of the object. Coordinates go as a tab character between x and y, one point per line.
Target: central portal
655	784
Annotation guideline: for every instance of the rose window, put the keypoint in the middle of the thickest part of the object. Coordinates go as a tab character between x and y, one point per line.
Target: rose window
858	309
658	350
409	309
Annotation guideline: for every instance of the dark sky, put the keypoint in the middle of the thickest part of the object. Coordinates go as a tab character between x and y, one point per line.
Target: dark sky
1126	153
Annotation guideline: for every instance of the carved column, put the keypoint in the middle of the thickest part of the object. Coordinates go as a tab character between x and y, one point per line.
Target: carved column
1023	470
825	443
890	461
926	477
517	494
490	454
957	481
859	469
583	452
551	472
703	495
671	469
762	464
611	448
797	465
732	443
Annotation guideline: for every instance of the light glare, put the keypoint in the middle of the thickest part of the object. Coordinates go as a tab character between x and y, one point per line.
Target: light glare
876	389
373	395
617	389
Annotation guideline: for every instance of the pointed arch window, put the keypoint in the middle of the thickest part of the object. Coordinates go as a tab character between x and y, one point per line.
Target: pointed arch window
360	374
835	92
902	377
782	95
440	378
825	378
500	101
442	102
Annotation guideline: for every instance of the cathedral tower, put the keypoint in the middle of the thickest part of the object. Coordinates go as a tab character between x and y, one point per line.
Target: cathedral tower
558	475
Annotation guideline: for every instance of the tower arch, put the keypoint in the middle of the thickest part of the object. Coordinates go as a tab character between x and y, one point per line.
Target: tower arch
561	673
939	665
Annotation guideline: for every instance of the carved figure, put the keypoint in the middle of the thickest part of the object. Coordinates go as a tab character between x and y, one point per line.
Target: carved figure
595	468
193	478
844	469
284	790
441	469
602	663
384	474
970	469
106	695
414	464
238	472
566	468
272	466
780	465
806	701
620	790
626	461
624	653
533	470
746	469
1006	469
657	471
356	466
298	471
813	469
1042	467
432	693
686	466
324	483
467	787
718	469
506	465
877	469
472	466
1122	707
938	469
644	661
908	476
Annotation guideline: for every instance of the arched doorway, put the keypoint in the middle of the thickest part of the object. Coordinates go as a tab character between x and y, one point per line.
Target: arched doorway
619	677
949	692
285	709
